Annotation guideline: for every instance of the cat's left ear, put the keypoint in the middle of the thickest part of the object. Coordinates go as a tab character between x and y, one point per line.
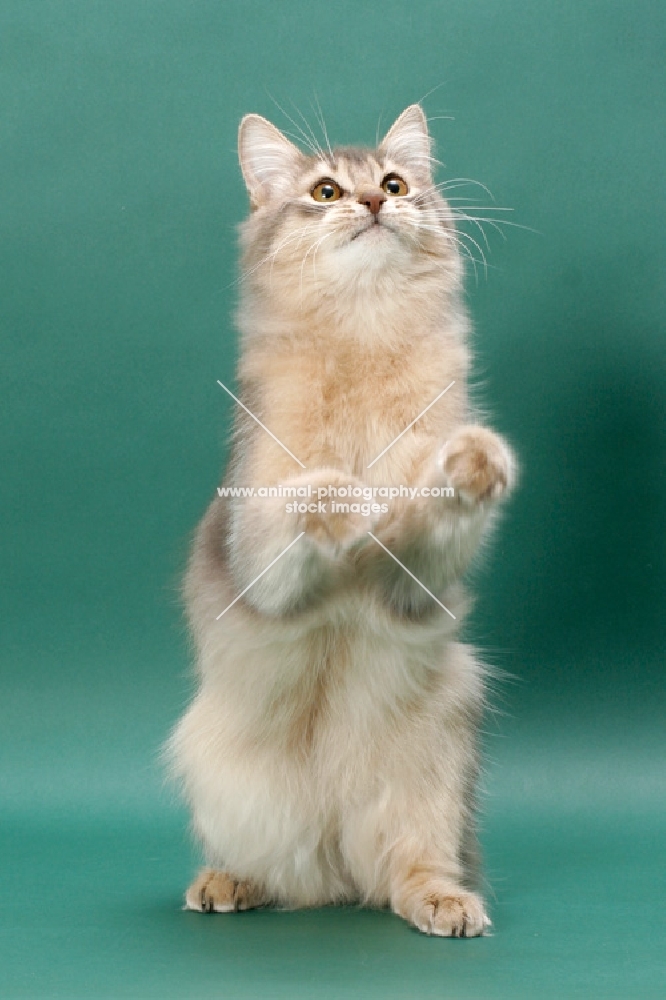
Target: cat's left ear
267	158
408	142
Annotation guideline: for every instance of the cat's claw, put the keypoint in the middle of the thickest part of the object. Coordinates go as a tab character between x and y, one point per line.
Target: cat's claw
458	914
218	892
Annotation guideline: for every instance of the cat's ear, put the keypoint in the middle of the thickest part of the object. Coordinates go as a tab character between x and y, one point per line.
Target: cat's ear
267	158
408	141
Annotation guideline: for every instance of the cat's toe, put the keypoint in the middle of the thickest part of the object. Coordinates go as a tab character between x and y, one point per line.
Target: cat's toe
218	892
461	916
211	892
478	464
445	912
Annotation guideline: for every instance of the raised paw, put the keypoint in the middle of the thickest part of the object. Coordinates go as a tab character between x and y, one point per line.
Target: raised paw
478	464
337	523
218	892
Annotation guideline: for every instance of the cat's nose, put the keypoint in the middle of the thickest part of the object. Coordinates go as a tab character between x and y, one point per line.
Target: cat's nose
373	199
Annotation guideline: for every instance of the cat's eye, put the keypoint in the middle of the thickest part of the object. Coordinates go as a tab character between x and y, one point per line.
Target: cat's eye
395	186
326	190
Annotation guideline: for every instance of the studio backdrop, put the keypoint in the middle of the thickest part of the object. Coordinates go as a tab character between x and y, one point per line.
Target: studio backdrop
120	194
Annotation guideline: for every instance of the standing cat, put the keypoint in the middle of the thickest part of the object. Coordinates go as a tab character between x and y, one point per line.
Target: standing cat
330	753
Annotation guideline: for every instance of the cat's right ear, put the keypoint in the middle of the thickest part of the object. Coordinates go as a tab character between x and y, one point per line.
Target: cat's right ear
267	159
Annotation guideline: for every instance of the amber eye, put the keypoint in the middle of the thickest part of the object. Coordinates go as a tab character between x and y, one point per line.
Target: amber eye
395	186
326	191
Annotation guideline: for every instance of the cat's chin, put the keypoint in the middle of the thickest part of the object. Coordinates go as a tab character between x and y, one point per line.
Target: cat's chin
373	245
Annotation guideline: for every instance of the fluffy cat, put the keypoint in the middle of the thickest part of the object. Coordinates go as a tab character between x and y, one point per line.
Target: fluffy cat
330	752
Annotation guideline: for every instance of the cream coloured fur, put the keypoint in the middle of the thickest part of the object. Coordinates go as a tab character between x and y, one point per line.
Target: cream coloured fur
330	751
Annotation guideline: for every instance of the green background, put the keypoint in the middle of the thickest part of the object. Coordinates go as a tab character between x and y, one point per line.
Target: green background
119	194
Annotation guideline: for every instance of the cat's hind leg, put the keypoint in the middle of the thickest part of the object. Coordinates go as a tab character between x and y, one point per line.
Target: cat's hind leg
218	892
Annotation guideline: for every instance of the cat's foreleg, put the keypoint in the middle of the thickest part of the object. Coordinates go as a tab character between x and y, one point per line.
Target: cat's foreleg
479	465
305	540
437	537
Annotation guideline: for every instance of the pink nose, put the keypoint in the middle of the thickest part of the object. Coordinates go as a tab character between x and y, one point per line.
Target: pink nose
372	199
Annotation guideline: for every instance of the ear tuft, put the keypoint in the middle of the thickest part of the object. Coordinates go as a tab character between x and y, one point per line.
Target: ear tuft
267	159
408	141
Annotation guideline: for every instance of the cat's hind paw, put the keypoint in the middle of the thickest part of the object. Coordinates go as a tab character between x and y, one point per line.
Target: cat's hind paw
461	915
218	892
441	909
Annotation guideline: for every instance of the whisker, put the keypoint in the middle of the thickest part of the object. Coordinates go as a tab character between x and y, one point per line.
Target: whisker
298	138
379	122
320	151
477	222
301	234
432	188
467	213
466	252
289	239
500	222
456	237
304	138
426	96
466	236
443	187
314	256
459	181
482	208
322	123
316	244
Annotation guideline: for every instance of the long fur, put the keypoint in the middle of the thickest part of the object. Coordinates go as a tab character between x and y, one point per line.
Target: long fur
330	752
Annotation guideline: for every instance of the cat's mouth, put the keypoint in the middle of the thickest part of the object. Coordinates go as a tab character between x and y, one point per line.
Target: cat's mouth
371	227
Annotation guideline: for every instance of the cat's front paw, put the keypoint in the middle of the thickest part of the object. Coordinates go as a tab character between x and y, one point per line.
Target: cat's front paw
478	464
337	521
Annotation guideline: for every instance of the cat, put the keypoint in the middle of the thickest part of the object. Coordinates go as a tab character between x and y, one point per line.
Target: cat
330	753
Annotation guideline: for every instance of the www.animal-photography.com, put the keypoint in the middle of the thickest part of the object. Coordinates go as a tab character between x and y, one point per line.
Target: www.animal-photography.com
335	382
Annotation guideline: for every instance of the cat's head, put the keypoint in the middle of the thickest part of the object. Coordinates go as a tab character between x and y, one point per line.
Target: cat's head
325	222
